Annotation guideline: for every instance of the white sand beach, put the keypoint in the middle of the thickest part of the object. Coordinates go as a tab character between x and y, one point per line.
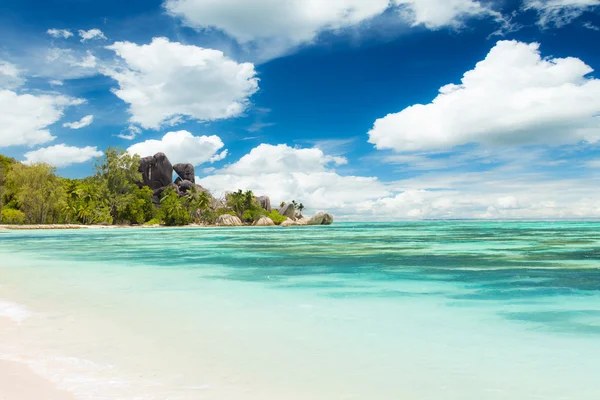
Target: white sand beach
19	382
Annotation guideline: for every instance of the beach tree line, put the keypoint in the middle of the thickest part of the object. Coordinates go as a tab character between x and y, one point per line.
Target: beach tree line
35	194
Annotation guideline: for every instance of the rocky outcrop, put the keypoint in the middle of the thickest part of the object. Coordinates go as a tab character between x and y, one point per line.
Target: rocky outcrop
288	222
303	221
186	172
264	221
157	171
185	186
265	202
228	220
321	218
288	210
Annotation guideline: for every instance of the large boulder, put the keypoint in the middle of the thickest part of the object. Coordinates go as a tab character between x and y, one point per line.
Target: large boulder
264	202
321	218
288	222
158	193
264	221
288	210
228	220
185	186
186	172
157	171
303	221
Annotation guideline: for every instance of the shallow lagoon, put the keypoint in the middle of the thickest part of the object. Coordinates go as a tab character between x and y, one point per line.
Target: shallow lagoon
430	310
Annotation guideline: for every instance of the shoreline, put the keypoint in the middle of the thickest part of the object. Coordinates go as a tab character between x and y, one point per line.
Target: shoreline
19	382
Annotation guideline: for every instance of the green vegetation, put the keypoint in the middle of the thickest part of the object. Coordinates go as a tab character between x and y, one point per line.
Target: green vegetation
34	194
276	217
12	217
245	206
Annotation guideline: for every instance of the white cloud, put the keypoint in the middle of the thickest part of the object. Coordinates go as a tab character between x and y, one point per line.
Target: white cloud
590	26
55	82
60	33
287	23
509	192
436	14
559	12
513	97
92	34
62	155
182	147
24	119
10	76
130	132
89	61
165	80
71	64
82	123
285	173
508	203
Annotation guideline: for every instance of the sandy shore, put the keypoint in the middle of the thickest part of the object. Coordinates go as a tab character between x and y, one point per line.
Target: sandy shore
18	382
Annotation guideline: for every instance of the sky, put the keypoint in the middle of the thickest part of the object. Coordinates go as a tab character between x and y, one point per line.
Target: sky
372	110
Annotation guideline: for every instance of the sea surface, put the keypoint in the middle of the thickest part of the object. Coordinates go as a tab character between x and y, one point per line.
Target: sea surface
427	310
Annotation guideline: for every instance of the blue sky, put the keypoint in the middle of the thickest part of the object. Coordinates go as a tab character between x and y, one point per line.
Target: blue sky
372	109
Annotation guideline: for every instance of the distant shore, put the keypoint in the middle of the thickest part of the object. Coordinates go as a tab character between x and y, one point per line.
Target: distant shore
73	227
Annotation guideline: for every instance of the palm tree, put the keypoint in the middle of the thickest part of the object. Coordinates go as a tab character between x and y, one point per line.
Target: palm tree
301	208
282	204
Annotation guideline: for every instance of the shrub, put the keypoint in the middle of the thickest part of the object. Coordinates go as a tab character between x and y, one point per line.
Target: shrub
253	215
173	209
154	221
12	217
276	217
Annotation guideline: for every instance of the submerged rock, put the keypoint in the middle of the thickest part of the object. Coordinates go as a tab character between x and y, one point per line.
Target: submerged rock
157	171
264	221
321	218
186	172
265	202
228	220
288	210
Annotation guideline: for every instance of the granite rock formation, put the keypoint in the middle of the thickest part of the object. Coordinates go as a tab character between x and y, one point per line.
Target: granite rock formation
186	172
288	222
228	220
185	186
321	218
157	171
264	221
288	210
265	202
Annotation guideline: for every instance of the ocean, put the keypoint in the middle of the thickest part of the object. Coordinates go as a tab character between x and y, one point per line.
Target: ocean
410	310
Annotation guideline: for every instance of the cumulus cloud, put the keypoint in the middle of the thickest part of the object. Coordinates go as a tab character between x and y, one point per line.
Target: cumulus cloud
55	82
285	173
558	13
62	155
24	119
513	97
182	147
164	80
130	132
286	23
60	33
82	123
502	193
10	76
92	34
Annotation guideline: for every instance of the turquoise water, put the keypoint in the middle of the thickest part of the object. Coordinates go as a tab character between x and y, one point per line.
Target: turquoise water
429	310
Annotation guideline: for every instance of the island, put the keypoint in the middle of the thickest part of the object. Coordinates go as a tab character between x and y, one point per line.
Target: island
128	190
